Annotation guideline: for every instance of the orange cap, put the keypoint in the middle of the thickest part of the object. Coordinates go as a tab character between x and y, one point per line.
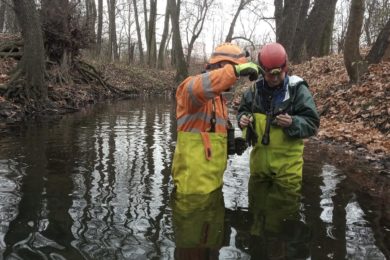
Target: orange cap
228	52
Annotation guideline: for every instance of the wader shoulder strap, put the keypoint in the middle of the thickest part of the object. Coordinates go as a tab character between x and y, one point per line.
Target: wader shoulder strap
254	96
213	119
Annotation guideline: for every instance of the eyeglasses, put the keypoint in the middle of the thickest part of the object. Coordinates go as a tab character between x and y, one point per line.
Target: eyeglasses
274	72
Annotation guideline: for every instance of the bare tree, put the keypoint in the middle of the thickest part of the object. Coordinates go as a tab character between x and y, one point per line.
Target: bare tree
57	34
341	24
352	59
150	32
30	72
381	45
376	16
278	13
99	27
286	21
240	7
121	13
164	38
249	26
370	6
180	63
298	47
2	15
90	20
197	11
112	41
138	28
130	43
304	35
11	22
319	25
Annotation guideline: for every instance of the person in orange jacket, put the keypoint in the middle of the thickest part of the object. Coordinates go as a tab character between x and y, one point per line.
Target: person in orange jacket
202	119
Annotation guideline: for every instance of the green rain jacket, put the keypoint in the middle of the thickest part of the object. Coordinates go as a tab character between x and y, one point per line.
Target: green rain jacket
282	158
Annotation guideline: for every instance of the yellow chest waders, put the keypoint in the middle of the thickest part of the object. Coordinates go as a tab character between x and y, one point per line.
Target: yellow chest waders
199	162
282	158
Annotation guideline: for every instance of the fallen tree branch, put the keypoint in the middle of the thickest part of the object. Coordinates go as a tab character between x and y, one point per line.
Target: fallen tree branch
15	55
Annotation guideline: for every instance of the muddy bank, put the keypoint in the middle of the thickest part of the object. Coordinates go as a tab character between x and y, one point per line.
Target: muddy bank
124	82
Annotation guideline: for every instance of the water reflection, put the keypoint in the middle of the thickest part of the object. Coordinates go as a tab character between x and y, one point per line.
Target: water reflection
198	222
96	185
339	228
274	228
277	231
118	209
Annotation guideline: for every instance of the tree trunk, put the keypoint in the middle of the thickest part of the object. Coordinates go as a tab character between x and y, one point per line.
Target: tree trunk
32	64
326	39
2	15
11	23
380	46
151	35
55	14
113	45
109	50
99	28
320	18
113	31
146	20
287	26
278	14
131	51
90	21
181	66
138	28
130	44
298	49
164	37
352	59
367	21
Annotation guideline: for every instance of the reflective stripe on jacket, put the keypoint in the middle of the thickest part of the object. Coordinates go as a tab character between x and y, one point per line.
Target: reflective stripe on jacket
201	156
194	100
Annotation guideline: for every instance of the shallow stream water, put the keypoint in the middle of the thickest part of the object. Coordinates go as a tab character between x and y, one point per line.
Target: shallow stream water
96	185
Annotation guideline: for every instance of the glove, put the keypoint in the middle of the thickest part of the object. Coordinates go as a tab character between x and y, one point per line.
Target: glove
247	69
240	145
251	135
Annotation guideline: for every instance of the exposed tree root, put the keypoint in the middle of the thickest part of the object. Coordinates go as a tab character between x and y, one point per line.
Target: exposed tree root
11	49
91	75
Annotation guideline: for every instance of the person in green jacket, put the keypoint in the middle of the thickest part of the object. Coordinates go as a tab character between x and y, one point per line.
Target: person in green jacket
277	113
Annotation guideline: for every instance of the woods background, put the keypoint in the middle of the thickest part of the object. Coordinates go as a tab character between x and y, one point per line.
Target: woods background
56	32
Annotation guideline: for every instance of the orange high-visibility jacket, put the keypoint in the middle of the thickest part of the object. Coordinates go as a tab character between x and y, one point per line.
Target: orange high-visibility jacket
194	100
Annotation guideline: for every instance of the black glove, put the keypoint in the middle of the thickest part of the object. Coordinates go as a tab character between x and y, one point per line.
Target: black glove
247	69
251	135
240	144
